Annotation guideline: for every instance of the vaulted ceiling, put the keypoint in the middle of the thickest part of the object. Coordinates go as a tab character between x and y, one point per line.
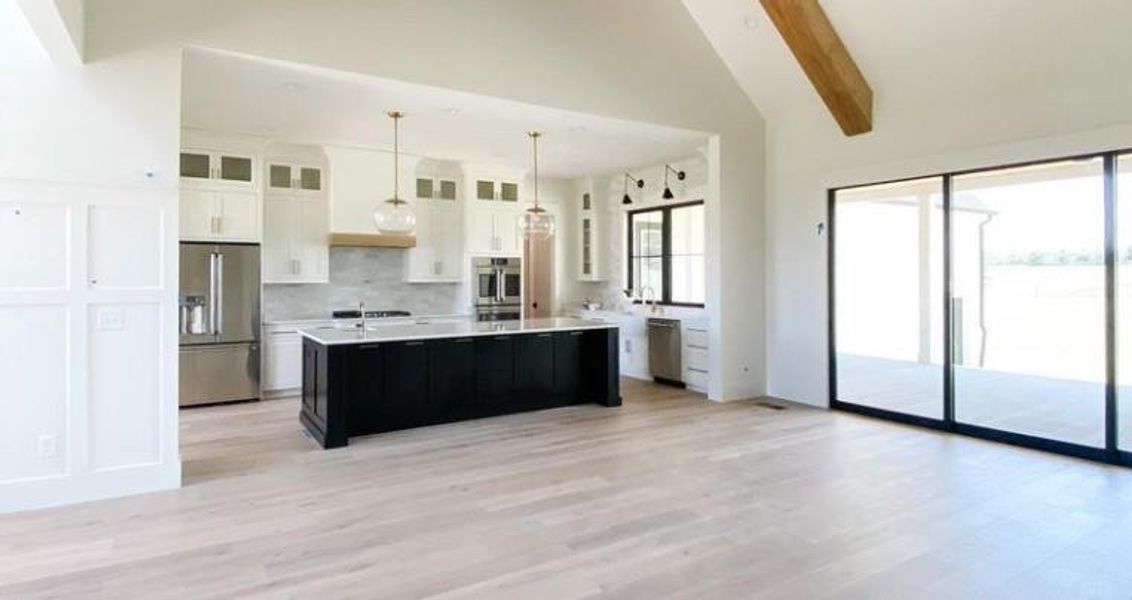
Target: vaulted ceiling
943	59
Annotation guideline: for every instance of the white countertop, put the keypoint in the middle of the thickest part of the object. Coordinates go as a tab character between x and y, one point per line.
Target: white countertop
382	332
313	322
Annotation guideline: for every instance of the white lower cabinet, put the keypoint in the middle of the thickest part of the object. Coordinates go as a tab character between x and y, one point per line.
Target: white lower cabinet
282	359
438	255
219	216
695	354
494	231
296	240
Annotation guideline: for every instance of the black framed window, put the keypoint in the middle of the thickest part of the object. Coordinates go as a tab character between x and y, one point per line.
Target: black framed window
666	253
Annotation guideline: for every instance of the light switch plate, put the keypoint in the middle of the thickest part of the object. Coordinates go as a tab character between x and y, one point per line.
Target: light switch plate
47	446
110	319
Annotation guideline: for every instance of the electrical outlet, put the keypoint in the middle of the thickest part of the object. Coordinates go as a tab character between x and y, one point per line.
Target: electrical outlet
47	446
110	319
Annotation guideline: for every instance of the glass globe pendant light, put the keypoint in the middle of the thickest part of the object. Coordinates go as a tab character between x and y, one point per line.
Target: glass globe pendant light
535	222
395	216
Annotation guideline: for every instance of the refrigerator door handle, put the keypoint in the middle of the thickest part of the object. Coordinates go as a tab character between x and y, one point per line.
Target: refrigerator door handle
212	293
219	293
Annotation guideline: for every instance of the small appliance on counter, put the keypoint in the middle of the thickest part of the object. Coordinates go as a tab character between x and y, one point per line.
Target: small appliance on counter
219	323
497	288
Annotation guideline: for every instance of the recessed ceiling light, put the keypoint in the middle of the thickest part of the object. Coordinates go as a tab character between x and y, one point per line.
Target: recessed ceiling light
751	23
452	112
293	87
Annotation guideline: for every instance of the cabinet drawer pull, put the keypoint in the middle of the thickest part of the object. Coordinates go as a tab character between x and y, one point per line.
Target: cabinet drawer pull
501	337
576	332
697	347
695	370
368	346
464	341
414	343
545	334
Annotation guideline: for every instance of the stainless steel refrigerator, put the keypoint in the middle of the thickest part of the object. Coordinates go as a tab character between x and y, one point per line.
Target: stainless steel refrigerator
219	323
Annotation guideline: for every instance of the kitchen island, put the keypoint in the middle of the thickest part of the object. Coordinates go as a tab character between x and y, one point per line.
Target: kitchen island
365	380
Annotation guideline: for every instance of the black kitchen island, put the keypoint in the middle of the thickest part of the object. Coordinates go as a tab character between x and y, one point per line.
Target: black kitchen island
390	377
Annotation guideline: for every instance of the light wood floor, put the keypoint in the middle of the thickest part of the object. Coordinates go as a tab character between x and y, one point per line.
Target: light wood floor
666	497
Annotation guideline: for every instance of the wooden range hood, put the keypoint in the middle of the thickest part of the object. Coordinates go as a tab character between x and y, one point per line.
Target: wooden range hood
372	240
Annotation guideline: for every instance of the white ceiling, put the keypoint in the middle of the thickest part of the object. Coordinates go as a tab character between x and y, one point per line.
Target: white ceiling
230	93
959	57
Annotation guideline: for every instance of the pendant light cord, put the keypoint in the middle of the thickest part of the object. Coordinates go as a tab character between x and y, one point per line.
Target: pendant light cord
396	157
534	135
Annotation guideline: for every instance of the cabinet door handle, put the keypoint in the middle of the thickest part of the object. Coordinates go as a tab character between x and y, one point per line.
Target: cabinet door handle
544	335
368	346
464	341
576	333
695	370
414	343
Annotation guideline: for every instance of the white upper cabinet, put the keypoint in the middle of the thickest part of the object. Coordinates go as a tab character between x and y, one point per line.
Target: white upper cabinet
494	231
219	196
493	216
294	177
296	215
212	169
589	238
497	190
219	216
439	254
295	241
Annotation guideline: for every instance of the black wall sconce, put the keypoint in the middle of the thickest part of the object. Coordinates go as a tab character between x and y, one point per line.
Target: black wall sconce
640	183
680	175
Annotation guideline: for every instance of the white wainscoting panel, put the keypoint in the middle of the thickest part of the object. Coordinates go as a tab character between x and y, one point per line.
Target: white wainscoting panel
121	245
125	384
34	403
34	239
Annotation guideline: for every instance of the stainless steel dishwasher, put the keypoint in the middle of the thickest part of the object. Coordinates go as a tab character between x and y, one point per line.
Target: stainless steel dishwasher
664	350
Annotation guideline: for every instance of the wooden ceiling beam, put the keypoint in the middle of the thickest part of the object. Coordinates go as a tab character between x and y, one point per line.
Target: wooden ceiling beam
819	50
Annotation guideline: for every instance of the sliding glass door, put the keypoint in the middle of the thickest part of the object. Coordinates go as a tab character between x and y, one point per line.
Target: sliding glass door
1028	300
1124	302
888	286
995	303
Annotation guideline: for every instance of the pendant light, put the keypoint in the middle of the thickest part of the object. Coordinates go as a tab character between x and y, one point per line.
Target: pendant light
395	216
640	183
680	175
535	222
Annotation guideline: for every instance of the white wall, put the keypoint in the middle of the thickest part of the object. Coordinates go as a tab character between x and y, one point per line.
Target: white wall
807	156
88	285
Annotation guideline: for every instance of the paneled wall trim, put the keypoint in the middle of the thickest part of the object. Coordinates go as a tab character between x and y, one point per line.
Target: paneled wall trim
86	290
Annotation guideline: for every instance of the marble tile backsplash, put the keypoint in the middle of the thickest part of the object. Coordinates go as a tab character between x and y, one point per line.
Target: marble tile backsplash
371	275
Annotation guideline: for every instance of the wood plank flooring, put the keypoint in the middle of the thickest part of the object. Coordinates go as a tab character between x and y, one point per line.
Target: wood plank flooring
669	496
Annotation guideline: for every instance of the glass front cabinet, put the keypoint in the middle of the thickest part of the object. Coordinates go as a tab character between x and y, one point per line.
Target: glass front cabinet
222	168
589	248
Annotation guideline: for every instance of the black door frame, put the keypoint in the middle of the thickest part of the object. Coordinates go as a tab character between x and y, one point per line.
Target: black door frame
1111	452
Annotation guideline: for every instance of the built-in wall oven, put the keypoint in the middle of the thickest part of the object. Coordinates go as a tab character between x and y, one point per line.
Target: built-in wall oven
497	287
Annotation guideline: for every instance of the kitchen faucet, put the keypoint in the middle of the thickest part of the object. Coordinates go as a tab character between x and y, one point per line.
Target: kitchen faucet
645	301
